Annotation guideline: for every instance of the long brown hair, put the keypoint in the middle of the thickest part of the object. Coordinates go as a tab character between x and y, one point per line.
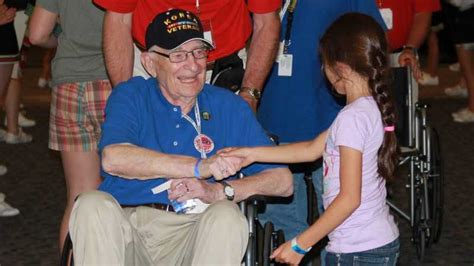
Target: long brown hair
358	41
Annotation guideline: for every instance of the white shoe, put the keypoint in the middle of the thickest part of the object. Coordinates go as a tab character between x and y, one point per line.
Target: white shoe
456	91
23	121
44	83
463	116
21	137
3	169
454	67
6	210
428	80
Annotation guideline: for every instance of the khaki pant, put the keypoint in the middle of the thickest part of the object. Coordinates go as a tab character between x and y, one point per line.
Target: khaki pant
105	234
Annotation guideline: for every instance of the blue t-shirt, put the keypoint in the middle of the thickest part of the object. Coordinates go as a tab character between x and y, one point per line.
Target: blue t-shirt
299	107
138	113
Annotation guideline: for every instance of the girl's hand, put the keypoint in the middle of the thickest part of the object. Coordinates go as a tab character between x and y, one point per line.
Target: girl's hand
219	167
245	154
285	254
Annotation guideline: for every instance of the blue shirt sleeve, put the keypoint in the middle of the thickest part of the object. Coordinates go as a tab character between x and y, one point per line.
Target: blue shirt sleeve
121	124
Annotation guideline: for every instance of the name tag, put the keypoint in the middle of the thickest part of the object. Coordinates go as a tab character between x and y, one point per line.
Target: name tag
207	27
387	16
285	65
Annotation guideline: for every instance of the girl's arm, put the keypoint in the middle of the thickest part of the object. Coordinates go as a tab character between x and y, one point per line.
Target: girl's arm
345	203
41	27
306	151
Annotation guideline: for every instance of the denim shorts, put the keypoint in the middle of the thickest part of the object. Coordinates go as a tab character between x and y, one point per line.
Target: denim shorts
384	255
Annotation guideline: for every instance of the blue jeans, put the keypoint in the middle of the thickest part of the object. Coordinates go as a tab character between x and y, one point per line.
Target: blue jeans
290	213
385	255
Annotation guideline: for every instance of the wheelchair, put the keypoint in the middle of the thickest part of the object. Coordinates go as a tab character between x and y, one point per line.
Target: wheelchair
425	179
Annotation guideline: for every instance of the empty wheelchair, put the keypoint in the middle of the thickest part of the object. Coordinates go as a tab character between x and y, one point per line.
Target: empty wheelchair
425	179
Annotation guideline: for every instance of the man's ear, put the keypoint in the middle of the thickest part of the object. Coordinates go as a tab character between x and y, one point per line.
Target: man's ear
146	58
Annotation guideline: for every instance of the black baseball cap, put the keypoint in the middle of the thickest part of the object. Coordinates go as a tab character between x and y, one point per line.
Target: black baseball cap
173	28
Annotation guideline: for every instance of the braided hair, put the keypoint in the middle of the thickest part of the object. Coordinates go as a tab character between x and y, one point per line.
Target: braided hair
358	41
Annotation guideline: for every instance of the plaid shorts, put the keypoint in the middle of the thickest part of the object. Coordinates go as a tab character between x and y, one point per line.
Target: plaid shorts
76	115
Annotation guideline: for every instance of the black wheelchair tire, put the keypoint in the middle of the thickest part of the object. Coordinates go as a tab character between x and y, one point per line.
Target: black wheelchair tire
267	243
419	230
437	176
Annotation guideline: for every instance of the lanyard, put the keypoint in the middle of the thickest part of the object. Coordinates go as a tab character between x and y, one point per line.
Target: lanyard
196	125
198	8
289	24
284	9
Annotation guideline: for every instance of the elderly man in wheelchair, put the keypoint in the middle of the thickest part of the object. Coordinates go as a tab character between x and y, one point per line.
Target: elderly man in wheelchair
161	201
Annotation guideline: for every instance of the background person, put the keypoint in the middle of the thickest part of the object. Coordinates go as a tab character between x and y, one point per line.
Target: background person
228	22
80	90
298	106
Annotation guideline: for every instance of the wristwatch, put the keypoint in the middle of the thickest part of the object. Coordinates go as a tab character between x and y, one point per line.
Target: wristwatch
254	92
228	191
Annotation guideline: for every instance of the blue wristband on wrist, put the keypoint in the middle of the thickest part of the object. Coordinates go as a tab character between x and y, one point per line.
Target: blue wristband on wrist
196	168
297	248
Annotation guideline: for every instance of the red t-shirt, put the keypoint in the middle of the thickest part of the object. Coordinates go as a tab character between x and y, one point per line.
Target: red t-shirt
403	14
229	19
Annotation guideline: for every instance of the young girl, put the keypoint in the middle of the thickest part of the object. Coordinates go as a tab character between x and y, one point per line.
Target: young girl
359	151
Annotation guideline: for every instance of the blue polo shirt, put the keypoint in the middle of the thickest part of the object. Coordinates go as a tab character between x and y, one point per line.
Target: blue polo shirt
299	107
138	113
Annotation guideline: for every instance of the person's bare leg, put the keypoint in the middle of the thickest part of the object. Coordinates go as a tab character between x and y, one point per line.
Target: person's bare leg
12	105
46	66
433	54
82	173
5	76
470	86
465	61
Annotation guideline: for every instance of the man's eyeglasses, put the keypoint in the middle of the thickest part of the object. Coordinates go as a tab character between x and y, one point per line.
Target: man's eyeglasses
181	56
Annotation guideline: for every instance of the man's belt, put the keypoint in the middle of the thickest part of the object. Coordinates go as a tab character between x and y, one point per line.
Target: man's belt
158	206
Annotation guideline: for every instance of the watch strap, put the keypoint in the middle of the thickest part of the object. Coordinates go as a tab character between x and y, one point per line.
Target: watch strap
254	92
228	197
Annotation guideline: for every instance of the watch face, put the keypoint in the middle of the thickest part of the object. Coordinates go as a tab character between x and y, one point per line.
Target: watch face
257	94
229	191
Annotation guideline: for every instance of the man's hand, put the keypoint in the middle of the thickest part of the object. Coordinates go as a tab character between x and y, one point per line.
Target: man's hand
7	15
191	188
408	57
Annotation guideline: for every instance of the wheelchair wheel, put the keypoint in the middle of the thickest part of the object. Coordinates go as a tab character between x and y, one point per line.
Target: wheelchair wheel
267	243
280	238
436	187
260	244
419	230
67	256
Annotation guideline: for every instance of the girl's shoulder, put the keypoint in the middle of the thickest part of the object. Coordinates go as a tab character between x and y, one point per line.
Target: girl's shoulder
363	113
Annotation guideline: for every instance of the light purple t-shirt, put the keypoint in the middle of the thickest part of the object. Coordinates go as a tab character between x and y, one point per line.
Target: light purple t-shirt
358	126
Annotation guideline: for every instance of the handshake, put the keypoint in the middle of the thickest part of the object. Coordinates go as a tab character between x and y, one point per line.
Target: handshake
226	162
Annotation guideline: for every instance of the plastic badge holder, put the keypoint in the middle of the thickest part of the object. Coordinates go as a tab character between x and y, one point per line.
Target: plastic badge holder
189	206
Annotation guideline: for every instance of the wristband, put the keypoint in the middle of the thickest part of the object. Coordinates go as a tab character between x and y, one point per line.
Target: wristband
196	168
297	248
